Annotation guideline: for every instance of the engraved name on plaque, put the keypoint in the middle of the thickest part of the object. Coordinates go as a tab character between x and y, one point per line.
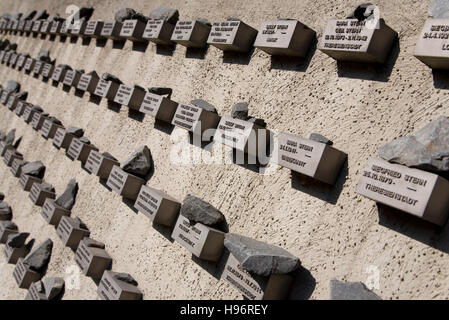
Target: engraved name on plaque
311	158
192	34
70	232
16	167
158	206
26	181
38	195
100	165
79	150
94	28
112	30
232	35
202	241
93	261
24	276
107	89
52	213
123	183
159	32
130	96
432	47
133	30
88	82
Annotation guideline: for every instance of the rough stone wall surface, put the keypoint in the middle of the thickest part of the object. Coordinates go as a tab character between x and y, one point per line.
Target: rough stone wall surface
336	233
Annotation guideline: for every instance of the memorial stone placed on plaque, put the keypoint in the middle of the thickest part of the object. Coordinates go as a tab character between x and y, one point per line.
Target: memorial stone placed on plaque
10	156
60	72
26	181
114	287
159	32
311	158
202	241
79	150
29	64
47	70
130	96
107	89
133	30
368	41
40	192
232	35
112	30
285	37
191	33
94	28
88	82
420	193
52	212
24	275
194	119
158	107
92	258
71	231
16	167
158	206
49	128
100	165
242	135
123	183
5	97
7	228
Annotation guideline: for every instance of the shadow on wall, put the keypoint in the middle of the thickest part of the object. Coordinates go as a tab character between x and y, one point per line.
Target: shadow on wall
287	63
372	72
420	230
318	189
238	57
440	79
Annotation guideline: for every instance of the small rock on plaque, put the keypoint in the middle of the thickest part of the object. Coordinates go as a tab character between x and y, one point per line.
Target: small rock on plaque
202	241
158	206
232	35
420	193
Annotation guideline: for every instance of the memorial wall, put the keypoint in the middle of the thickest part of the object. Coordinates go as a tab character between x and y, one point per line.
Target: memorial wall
108	179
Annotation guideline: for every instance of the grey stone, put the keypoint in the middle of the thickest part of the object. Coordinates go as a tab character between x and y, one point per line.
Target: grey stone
44	55
41	15
80	224
53	287
17	240
2	196
439	9
5	211
35	169
259	122
11	46
16	16
426	149
12	86
260	258
67	199
9	139
140	17
38	259
320	138
110	77
47	187
362	12
9	225
85	140
204	21
164	13
126	278
140	162
240	111
161	91
84	12
77	132
4	44
37	108
23	95
200	103
109	156
91	243
17	143
6	16
30	15
198	210
351	291
124	14
54	120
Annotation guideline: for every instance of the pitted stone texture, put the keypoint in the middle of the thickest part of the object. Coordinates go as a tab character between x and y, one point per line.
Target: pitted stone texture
38	259
140	162
351	291
68	198
124	14
198	210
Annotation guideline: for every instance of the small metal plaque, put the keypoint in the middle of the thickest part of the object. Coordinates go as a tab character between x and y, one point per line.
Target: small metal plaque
187	117
38	196
21	60
432	47
191	34
202	241
99	165
233	132
113	289
52	213
24	276
92	261
112	30
123	95
417	192
123	183
47	70
94	28
16	167
69	233
36	26
29	64
38	67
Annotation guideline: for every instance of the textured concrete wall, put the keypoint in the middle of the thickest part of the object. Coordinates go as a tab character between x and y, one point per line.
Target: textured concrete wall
336	233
